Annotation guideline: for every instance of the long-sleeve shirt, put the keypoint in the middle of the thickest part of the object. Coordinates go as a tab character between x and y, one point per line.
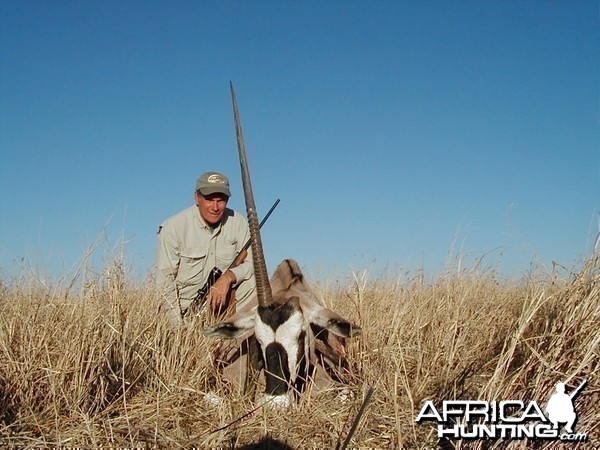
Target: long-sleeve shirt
187	251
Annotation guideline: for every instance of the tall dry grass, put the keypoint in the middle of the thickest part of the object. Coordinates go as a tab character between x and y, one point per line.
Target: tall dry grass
99	368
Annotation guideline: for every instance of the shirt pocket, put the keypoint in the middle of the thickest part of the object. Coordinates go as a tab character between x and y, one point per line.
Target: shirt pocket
192	265
226	253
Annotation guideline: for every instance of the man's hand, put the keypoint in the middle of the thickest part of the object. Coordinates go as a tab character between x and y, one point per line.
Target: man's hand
217	294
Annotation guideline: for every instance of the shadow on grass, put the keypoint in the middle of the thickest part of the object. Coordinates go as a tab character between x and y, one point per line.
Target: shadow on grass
266	442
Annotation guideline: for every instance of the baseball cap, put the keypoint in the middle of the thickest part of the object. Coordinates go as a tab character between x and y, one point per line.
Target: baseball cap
212	183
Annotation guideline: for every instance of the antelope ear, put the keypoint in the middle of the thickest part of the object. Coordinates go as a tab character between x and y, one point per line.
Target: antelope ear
341	327
236	327
326	318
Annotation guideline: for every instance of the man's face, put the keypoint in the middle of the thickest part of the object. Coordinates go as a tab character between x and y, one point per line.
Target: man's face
211	207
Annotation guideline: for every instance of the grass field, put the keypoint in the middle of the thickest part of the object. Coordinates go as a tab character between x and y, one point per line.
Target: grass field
99	368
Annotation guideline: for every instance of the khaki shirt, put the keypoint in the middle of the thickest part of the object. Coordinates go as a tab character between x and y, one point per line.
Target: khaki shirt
187	251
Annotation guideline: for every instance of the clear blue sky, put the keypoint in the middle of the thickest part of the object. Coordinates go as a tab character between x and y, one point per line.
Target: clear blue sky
394	132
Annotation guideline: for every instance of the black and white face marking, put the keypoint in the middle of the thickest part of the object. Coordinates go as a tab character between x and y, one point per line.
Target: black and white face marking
290	324
281	333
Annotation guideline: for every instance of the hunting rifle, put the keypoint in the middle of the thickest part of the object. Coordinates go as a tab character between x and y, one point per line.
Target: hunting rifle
199	301
576	391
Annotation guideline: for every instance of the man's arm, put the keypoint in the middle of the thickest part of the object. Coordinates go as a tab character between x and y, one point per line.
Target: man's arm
235	275
167	266
217	294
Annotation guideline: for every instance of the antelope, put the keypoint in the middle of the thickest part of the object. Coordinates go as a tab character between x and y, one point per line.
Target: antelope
287	329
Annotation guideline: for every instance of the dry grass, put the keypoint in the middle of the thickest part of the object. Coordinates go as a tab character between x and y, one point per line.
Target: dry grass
100	369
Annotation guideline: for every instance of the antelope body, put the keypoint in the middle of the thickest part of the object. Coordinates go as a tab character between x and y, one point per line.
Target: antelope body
290	336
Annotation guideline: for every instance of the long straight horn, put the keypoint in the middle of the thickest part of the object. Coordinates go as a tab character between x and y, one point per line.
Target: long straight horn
263	288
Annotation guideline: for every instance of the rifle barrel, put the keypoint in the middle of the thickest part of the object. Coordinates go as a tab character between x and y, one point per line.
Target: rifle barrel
578	390
262	222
